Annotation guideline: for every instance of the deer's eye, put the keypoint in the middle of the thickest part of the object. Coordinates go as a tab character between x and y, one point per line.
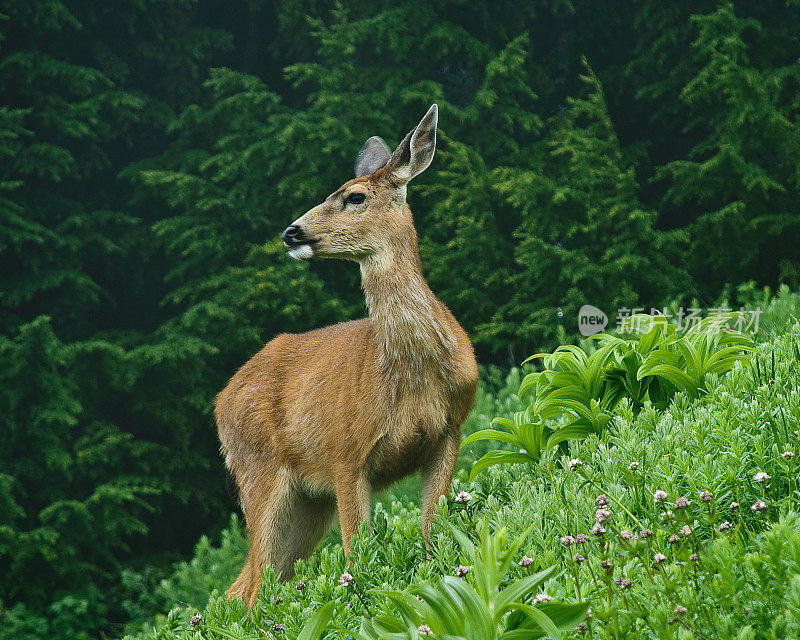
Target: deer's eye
355	198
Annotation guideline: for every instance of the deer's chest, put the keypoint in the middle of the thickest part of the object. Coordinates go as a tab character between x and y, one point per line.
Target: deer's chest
411	436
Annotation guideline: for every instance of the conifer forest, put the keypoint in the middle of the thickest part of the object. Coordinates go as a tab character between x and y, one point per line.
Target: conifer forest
637	156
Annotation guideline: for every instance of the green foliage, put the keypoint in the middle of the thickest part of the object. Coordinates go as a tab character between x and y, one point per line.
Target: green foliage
70	504
151	152
193	582
775	312
477	608
583	227
744	574
577	393
718	443
85	91
731	96
684	363
494	600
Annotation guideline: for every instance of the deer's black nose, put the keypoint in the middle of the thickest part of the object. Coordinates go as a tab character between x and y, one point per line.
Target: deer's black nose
292	235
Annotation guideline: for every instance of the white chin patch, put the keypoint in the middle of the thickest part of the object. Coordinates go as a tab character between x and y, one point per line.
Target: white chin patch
303	252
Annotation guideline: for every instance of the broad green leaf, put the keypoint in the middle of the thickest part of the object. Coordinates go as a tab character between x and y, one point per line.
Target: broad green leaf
316	624
574	431
674	375
478	623
499	457
446	617
522	587
504	422
492	434
409	606
464	542
541	619
521	634
566	616
528	382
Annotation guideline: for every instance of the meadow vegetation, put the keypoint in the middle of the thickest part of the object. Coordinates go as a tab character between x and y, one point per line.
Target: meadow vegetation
618	153
670	522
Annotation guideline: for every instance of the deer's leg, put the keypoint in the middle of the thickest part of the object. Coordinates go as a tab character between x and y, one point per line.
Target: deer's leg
437	475
352	500
311	519
267	496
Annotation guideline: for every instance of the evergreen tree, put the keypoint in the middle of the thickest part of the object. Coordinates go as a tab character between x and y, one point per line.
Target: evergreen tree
742	173
84	92
585	237
142	198
70	493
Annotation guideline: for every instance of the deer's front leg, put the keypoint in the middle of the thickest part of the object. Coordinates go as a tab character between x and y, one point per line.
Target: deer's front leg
437	475
352	498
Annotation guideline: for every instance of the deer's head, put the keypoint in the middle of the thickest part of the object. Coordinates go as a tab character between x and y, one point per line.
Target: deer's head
367	215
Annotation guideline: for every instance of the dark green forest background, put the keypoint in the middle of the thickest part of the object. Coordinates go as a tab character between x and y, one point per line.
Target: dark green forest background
606	152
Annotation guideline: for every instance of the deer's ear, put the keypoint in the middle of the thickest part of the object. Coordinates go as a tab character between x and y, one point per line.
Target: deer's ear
373	155
415	153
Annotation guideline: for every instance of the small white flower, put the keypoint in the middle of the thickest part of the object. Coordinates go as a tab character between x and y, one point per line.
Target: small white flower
761	476
463	497
542	597
633	465
758	506
574	463
424	630
787	455
601	515
659	558
345	579
462	571
734	505
725	526
526	561
626	534
597	530
686	531
659	496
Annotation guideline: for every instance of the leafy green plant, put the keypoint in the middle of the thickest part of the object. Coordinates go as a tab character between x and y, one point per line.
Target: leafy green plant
477	608
685	362
528	433
579	389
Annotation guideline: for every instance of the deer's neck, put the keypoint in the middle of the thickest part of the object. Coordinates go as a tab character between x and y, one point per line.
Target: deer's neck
416	344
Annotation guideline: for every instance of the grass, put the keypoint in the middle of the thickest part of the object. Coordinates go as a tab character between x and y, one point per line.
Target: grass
729	573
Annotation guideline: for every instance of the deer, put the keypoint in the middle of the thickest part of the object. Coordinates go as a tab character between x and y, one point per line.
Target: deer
314	423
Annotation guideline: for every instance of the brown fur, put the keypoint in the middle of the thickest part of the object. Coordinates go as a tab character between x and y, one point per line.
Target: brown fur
318	420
